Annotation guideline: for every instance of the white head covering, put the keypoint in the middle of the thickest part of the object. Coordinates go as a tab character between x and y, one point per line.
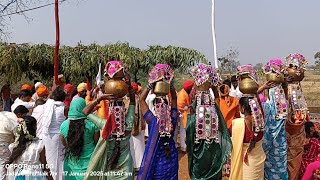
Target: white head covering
37	85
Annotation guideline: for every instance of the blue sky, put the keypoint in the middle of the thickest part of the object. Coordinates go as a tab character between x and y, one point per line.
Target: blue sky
260	30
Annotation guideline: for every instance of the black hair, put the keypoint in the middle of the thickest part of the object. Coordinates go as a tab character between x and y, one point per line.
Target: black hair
234	78
158	100
21	110
31	124
244	102
75	139
139	83
59	94
166	146
75	92
227	82
25	93
307	126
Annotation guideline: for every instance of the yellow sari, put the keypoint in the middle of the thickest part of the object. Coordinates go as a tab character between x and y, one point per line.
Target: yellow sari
254	169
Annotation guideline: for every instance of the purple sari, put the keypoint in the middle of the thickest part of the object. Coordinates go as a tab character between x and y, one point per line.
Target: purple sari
157	163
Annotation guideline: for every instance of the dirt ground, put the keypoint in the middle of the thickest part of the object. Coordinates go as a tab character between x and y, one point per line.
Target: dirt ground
183	166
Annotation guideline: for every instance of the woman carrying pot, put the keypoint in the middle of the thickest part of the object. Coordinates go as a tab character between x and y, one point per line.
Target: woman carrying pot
275	115
111	158
208	140
298	113
160	160
247	157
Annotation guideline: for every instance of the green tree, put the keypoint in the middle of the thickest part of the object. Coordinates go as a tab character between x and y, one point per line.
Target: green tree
177	57
229	61
317	57
81	62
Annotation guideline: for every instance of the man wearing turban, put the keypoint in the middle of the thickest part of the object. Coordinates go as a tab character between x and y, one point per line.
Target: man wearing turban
42	92
82	91
184	103
35	95
68	89
26	87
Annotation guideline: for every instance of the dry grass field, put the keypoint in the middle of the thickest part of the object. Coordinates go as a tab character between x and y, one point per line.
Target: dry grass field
311	89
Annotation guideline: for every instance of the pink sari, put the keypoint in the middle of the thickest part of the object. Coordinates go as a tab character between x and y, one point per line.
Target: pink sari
311	153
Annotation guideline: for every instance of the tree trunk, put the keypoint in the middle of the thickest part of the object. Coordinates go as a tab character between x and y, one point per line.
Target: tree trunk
56	50
136	76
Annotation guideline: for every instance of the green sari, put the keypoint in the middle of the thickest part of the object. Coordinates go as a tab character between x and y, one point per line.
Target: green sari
97	169
207	160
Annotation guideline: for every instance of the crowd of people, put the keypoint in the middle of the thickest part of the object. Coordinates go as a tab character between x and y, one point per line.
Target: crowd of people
239	128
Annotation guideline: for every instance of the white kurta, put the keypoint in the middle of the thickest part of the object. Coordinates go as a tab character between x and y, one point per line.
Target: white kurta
235	92
50	116
8	121
31	160
149	100
137	147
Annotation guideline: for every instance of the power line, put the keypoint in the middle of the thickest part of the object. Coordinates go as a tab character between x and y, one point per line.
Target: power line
30	9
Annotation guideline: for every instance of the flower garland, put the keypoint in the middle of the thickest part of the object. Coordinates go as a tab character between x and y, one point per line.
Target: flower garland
21	129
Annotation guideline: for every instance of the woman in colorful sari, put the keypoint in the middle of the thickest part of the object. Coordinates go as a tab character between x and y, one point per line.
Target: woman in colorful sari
111	158
311	147
208	141
298	114
160	160
275	115
79	137
312	171
247	158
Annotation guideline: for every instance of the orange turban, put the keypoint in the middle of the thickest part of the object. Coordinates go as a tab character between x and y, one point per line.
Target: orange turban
187	85
26	87
42	91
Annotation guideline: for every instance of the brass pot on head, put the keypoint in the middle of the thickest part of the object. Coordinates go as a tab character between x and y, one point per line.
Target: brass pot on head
298	75
274	78
161	88
248	85
116	86
204	87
